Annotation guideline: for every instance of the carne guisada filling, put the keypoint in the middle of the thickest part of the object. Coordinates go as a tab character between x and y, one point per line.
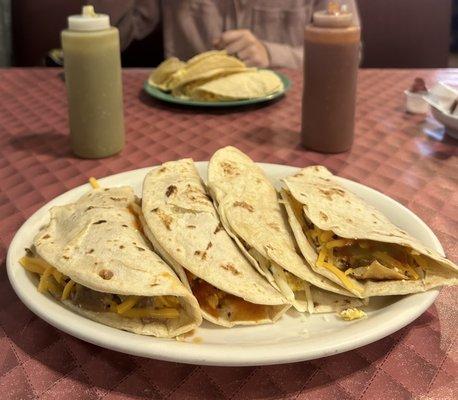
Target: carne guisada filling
218	303
63	288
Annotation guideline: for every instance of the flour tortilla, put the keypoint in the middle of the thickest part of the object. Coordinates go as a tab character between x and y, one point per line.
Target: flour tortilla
332	207
162	75
250	84
99	232
205	66
184	228
249	209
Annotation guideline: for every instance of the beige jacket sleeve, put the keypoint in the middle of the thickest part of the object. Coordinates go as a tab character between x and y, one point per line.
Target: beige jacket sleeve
135	19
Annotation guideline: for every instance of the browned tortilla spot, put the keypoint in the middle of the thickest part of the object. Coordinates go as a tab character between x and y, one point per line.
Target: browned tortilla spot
201	254
330	192
244	205
66	257
191	226
229	169
274	226
140	248
124	226
101	221
89	208
47	236
231	268
121	247
209	245
165	218
162	169
90	251
106	274
323	215
171	190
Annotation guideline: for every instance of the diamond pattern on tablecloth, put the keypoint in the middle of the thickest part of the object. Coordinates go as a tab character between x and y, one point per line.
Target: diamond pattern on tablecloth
390	153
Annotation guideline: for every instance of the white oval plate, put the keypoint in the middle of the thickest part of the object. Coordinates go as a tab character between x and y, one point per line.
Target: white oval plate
295	337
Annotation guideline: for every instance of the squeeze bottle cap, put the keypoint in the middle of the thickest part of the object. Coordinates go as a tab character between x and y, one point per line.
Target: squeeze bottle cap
88	20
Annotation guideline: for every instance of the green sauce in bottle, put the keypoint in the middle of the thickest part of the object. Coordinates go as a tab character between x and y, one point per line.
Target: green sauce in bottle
94	85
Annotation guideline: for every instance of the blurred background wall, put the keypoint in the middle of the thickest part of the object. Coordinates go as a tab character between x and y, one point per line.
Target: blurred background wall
5	33
396	33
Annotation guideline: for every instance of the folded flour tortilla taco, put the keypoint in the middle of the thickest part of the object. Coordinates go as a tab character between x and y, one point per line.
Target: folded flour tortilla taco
94	258
250	211
183	226
355	245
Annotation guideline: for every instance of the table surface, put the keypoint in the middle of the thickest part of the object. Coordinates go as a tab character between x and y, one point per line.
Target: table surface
396	153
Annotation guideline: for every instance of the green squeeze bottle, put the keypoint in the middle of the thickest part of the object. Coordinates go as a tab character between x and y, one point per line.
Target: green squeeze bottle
94	86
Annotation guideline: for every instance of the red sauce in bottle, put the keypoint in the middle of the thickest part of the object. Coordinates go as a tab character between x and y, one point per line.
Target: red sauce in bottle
331	58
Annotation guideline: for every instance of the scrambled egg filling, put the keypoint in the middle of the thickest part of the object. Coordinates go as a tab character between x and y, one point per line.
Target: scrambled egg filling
352	313
63	288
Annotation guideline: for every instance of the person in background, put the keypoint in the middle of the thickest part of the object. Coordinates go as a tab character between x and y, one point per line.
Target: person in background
262	33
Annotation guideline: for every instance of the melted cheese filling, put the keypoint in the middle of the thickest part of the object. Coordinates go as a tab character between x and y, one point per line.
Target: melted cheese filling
347	258
63	288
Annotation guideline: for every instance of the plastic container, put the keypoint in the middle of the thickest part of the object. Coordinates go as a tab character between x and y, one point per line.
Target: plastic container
331	59
94	85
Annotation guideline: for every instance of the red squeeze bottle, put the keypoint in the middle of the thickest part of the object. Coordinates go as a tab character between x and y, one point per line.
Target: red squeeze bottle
331	58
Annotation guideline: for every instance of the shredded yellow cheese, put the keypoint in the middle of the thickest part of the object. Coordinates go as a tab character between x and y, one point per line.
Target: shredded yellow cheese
67	289
53	281
31	265
55	290
127	304
94	183
112	306
321	263
321	257
43	285
58	276
338	243
326	236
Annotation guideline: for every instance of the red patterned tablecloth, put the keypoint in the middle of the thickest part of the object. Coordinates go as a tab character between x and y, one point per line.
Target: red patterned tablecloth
393	152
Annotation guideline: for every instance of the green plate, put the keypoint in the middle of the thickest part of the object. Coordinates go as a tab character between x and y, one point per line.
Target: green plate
167	97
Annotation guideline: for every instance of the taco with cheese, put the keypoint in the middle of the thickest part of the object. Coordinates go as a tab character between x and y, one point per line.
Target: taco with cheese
249	209
93	257
354	245
202	68
250	84
161	76
183	226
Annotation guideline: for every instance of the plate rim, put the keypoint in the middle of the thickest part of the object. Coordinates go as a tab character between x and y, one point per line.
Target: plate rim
167	98
206	353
